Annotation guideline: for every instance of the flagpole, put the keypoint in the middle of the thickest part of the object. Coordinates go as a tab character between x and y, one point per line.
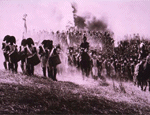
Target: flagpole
25	26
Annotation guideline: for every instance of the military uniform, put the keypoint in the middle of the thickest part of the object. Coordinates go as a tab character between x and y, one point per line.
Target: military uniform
4	45
12	54
43	52
85	45
53	61
22	52
30	51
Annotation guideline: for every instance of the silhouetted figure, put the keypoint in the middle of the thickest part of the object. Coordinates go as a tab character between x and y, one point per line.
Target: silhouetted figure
31	52
12	54
4	45
53	60
23	54
43	52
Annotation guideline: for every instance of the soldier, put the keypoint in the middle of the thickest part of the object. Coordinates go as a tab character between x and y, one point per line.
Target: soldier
125	69
112	68
12	54
43	52
108	65
85	61
142	51
104	72
122	65
70	56
94	65
53	60
23	52
85	44
132	65
100	61
118	68
31	50
4	44
136	72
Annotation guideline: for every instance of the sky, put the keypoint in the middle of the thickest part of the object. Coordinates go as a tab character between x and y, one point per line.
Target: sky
122	17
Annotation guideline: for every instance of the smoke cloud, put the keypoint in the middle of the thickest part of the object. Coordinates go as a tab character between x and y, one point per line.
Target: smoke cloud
97	24
86	21
79	21
42	15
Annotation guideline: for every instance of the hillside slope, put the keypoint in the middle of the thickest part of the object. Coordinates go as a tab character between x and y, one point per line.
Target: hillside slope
34	94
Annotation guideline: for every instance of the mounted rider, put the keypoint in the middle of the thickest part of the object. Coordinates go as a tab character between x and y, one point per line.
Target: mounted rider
85	60
142	51
84	45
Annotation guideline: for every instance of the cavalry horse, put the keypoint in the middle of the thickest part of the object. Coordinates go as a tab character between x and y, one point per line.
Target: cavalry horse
85	63
144	73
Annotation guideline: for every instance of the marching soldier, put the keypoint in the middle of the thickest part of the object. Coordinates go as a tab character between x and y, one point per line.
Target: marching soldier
4	44
71	56
53	60
43	52
100	61
12	54
94	65
32	58
23	54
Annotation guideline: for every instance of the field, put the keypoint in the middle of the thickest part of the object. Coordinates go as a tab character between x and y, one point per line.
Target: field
21	94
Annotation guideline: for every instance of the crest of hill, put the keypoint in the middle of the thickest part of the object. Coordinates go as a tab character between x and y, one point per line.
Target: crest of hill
34	94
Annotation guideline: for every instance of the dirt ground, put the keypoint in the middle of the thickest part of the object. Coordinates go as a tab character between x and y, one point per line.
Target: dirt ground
21	94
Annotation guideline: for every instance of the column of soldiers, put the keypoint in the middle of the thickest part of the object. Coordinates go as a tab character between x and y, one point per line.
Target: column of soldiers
121	64
90	61
29	56
126	63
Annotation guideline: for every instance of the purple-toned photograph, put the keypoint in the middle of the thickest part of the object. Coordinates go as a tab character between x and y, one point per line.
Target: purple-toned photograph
75	57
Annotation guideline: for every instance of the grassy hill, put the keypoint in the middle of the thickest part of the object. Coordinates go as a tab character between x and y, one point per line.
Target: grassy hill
37	95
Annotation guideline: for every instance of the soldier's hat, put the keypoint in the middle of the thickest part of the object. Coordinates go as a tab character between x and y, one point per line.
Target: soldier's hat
6	38
24	42
30	41
44	42
12	39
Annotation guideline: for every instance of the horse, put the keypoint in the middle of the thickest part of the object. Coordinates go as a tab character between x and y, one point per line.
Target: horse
140	77
144	73
85	63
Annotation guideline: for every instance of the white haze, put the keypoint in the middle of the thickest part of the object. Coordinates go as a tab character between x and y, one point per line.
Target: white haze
42	15
122	18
